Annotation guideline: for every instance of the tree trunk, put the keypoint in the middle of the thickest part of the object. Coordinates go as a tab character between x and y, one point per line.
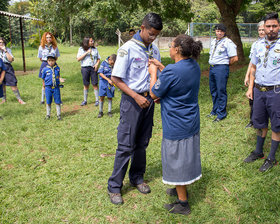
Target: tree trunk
229	13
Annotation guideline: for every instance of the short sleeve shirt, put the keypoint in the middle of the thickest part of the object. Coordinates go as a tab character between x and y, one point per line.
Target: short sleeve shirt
267	71
106	69
43	52
89	59
50	74
3	55
178	87
224	51
132	66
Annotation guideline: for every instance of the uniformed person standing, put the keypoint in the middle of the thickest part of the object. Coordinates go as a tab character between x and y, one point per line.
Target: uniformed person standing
222	54
131	75
265	74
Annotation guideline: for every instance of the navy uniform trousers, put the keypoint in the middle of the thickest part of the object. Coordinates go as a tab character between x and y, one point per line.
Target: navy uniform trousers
218	77
134	133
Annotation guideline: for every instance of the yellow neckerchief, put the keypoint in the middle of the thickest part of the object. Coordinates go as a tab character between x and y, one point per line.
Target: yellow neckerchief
148	50
216	44
53	75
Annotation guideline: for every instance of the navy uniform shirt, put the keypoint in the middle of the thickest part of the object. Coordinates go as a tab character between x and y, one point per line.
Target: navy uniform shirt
51	75
267	68
132	63
106	69
225	49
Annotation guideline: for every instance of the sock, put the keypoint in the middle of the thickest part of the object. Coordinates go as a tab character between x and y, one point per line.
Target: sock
16	92
58	109
183	203
96	94
109	105
48	110
85	94
259	147
43	95
101	106
273	149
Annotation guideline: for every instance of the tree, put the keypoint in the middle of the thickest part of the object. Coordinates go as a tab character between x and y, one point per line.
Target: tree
4	27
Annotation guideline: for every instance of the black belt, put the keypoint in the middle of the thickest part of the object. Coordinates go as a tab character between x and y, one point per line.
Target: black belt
142	94
217	65
265	88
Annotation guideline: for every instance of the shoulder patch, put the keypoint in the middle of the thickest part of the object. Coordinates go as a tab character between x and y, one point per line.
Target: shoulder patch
122	52
157	84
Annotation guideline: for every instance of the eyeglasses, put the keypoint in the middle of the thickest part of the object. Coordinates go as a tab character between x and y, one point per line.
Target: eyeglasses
170	45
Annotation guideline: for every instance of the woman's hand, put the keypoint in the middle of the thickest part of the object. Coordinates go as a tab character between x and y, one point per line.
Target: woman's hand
157	63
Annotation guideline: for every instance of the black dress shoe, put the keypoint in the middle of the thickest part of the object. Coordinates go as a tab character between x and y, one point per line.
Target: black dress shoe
253	157
217	120
268	164
210	115
249	125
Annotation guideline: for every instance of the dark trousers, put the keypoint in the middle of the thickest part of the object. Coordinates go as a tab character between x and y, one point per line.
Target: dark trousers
218	77
251	109
134	133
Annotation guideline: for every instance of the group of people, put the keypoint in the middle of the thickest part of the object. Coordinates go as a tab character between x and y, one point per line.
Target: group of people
144	81
89	58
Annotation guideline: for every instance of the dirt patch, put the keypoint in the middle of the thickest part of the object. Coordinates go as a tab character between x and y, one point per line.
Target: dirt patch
233	68
21	73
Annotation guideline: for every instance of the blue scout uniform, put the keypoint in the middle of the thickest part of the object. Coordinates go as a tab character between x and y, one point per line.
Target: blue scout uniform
220	53
135	127
43	53
10	78
51	78
105	89
2	68
87	64
266	57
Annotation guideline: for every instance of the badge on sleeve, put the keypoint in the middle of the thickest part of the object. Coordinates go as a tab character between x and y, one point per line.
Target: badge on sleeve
274	62
157	84
122	52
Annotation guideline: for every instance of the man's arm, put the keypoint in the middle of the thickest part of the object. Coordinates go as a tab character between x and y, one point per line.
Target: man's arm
249	93
247	76
233	59
140	100
2	76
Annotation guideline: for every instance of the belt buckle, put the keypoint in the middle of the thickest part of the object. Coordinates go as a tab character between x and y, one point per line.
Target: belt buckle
145	93
263	89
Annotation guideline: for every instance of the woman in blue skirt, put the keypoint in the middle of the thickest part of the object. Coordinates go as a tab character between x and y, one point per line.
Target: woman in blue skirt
177	89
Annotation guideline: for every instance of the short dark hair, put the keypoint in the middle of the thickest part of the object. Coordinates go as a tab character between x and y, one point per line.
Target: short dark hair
4	41
152	20
113	57
131	30
85	43
188	47
271	16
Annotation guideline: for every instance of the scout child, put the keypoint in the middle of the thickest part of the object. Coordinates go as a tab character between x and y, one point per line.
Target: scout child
50	76
106	87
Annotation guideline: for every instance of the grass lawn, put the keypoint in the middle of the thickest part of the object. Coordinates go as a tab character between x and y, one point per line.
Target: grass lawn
57	171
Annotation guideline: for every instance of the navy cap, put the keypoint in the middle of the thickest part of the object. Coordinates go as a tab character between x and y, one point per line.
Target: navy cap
220	27
51	55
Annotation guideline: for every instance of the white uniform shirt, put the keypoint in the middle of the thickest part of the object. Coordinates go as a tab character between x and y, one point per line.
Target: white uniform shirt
89	59
268	74
3	55
43	52
132	66
224	51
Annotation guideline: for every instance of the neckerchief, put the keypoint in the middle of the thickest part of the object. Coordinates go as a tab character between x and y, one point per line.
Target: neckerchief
216	44
53	75
49	48
106	60
268	46
138	40
91	54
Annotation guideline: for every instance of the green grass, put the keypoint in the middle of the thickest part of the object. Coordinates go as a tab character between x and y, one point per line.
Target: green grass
57	172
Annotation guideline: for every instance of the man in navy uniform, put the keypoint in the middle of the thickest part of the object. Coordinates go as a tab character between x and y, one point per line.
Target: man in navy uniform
265	73
131	75
222	54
